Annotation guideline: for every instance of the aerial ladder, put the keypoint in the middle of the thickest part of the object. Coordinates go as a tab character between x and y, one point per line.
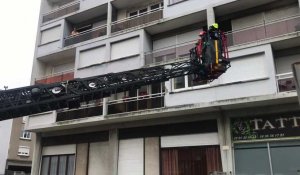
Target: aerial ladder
208	60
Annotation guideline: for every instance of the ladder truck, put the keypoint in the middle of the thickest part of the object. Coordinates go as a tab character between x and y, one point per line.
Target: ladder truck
208	60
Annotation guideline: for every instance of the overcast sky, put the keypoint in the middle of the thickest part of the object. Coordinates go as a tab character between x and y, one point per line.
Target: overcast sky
19	20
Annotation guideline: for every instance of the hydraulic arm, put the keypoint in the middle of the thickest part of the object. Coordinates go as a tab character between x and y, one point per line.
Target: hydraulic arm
46	97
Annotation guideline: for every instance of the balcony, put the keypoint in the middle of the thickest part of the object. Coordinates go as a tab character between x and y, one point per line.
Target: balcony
85	111
141	102
137	20
62	11
58	77
272	29
86	35
172	53
286	82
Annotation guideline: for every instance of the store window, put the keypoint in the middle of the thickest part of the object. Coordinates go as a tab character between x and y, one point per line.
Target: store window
58	165
191	160
271	158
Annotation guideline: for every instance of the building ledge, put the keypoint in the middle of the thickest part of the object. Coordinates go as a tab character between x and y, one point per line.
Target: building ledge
182	110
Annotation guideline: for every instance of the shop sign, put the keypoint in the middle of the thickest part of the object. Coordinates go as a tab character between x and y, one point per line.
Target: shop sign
265	127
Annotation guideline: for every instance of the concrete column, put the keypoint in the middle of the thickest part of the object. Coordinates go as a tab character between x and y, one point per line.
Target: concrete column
105	106
109	18
113	149
229	154
82	155
37	154
210	16
152	156
299	3
222	141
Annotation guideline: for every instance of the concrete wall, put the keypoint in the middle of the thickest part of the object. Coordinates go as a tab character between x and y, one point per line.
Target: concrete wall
186	7
152	149
133	43
98	156
260	18
5	132
15	141
243	79
41	119
54	46
88	4
284	63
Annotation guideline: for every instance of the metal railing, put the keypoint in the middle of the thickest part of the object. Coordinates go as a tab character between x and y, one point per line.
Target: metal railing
86	35
246	35
129	104
57	77
174	52
138	20
88	110
62	11
285	82
266	30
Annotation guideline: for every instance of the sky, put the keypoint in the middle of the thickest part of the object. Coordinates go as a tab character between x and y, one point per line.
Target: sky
18	29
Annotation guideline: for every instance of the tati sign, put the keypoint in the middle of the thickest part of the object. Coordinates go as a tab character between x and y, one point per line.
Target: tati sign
265	127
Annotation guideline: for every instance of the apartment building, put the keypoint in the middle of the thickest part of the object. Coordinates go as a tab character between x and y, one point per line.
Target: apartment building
16	147
245	122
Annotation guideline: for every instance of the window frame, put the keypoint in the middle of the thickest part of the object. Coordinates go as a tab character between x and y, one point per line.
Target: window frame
148	7
186	85
58	163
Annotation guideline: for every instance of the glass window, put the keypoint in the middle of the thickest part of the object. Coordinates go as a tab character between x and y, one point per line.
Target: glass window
53	165
193	82
23	151
252	159
153	7
143	11
62	165
45	165
58	165
133	13
258	158
285	158
179	82
71	165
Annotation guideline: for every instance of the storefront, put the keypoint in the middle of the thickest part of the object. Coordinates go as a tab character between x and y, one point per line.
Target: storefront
267	145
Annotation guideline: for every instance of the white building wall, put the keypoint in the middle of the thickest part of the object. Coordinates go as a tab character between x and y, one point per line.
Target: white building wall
5	132
186	7
252	74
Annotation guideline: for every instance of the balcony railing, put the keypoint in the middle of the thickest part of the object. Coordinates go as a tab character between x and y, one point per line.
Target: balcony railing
86	35
166	54
58	77
138	20
286	82
85	111
264	31
129	104
62	11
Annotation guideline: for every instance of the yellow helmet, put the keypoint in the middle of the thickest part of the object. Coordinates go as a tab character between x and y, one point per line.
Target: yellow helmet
215	25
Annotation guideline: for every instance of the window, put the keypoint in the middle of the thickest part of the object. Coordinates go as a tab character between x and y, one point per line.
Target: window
191	160
131	14
58	165
280	157
144	10
187	82
23	151
25	135
175	1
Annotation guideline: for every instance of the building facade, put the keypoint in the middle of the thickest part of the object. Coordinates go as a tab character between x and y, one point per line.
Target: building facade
16	147
246	122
